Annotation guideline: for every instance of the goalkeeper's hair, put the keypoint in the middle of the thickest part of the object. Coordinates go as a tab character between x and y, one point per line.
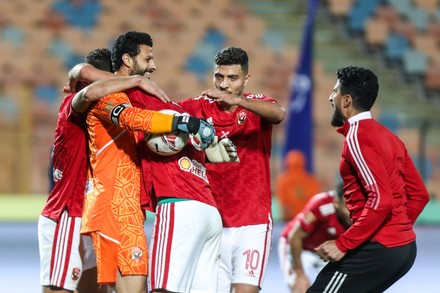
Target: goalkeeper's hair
233	56
100	58
129	43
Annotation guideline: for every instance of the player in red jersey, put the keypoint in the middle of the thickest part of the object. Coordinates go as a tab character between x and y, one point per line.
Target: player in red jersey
324	217
242	191
67	260
383	190
65	257
185	244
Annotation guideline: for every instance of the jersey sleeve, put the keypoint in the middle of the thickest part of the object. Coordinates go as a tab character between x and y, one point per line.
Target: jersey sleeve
70	114
116	109
261	97
416	192
361	152
191	105
311	207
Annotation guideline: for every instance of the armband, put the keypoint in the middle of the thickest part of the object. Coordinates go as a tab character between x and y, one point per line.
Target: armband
116	112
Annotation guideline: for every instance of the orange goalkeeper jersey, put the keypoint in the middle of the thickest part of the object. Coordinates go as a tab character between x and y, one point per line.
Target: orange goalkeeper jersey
113	188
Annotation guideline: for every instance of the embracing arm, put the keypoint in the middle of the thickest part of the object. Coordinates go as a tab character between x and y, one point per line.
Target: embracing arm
85	72
266	109
106	83
101	88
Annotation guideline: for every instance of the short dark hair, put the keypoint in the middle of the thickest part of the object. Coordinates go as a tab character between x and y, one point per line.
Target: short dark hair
361	83
233	56
100	58
129	43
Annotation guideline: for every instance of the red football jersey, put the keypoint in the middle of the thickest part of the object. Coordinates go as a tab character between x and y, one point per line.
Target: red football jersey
241	190
384	192
69	163
326	227
182	175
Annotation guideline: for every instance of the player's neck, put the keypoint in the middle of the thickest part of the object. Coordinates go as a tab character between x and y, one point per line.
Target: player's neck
228	108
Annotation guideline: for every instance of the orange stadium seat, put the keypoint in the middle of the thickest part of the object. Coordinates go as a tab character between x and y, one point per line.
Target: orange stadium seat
432	78
429	5
428	45
376	32
340	8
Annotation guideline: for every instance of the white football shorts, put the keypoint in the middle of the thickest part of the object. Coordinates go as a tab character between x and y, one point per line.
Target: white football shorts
244	255
185	247
64	252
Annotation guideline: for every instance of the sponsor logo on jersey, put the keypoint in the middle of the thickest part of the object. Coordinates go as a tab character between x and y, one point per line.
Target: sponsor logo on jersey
251	274
75	274
206	98
255	96
224	134
136	253
193	167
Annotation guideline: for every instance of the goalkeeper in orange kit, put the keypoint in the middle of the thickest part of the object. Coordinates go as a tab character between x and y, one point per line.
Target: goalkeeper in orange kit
112	213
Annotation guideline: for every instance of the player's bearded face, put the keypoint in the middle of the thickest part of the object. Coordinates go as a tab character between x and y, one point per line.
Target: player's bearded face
337	117
335	99
143	63
137	69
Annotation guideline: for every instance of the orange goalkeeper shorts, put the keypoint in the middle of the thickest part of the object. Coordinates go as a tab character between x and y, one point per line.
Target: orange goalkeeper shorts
129	254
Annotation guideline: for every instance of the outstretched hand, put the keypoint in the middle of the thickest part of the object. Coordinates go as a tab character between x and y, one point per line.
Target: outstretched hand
223	97
152	88
222	151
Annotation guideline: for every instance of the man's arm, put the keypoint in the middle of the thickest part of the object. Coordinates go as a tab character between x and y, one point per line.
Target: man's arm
84	72
267	110
302	282
416	192
101	88
116	109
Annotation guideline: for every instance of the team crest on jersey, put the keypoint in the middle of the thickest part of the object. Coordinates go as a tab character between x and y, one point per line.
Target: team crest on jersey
136	253
241	117
57	175
193	167
75	274
89	186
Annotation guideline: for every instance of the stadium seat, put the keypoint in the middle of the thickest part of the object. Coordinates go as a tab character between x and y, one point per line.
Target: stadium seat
359	14
395	46
419	17
405	28
404	7
387	14
415	62
340	8
429	5
376	32
432	78
428	45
